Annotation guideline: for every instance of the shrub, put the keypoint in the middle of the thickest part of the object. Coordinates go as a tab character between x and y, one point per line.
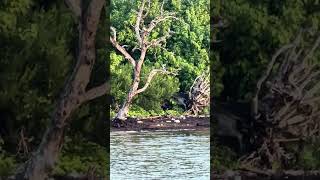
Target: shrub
79	155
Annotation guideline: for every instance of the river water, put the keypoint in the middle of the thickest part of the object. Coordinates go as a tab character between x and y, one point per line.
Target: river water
174	155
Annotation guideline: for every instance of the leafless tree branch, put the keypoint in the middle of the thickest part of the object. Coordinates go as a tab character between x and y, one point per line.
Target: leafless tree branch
138	23
158	20
113	40
95	92
150	77
265	76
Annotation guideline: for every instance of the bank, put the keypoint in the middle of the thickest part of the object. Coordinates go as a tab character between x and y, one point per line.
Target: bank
162	123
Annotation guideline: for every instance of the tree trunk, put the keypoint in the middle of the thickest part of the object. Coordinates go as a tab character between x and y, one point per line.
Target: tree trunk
123	112
43	160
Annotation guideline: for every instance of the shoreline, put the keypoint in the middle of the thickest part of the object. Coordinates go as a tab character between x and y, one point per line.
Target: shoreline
266	174
162	123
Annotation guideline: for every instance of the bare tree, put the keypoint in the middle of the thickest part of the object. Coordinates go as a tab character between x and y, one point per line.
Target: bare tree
75	92
142	32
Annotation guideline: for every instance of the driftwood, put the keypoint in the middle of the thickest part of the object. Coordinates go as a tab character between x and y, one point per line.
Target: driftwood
286	101
199	94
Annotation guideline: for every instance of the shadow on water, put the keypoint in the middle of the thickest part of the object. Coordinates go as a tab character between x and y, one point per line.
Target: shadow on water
160	155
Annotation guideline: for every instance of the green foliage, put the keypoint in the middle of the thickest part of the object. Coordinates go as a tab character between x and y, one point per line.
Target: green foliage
34	61
137	111
7	162
256	29
78	155
7	165
310	156
162	87
224	159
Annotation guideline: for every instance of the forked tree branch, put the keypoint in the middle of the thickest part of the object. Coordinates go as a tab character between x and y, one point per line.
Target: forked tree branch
142	31
158	20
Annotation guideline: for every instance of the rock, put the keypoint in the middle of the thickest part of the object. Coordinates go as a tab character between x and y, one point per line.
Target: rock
139	122
168	121
176	121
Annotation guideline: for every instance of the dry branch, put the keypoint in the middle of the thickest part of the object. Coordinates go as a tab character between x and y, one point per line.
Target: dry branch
96	92
199	93
287	97
150	77
113	40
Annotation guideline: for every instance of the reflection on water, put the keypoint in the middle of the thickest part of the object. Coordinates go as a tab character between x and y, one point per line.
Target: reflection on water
160	155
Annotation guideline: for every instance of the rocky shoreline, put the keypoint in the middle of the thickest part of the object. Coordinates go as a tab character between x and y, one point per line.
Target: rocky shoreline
162	123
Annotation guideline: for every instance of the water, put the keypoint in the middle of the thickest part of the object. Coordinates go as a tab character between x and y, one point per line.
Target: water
174	155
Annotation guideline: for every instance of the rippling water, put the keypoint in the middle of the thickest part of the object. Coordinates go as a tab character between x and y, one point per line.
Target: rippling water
160	155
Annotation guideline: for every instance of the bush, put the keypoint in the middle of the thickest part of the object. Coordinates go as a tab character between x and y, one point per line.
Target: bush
224	158
137	111
310	156
7	165
79	155
7	162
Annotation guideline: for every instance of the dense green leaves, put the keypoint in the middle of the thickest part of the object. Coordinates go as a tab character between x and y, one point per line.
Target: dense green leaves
256	29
